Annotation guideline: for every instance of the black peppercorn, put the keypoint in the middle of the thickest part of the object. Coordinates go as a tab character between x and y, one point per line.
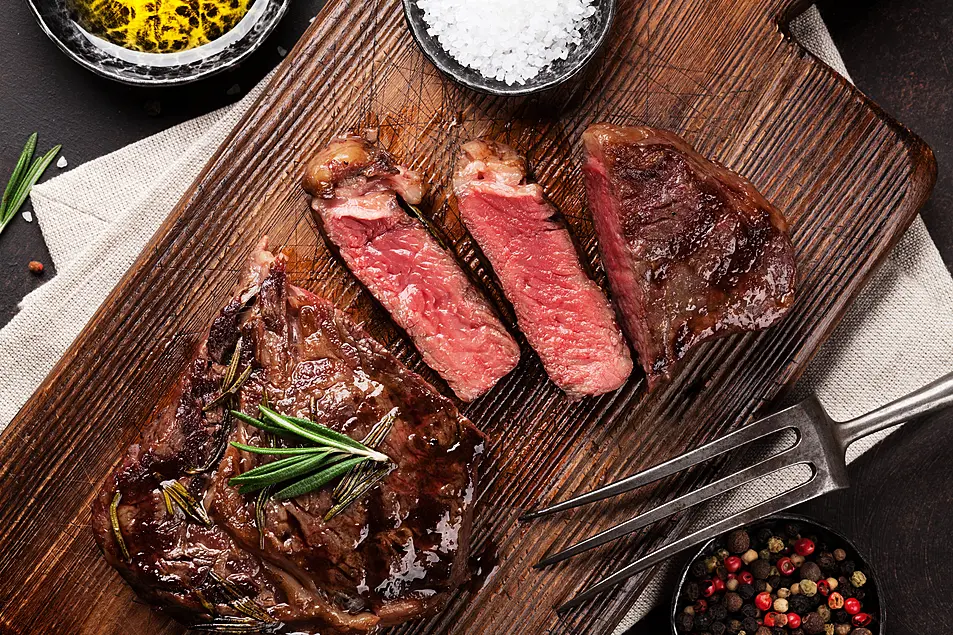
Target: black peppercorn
777	630
760	586
718	628
764	534
797	631
734	626
691	592
840	616
749	610
825	561
746	591
847	567
738	541
859	593
684	623
718	612
733	602
813	624
791	530
702	621
760	569
861	631
698	568
799	604
749	625
774	581
810	571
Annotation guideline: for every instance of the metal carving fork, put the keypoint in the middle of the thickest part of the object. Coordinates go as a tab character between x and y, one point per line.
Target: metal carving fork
820	444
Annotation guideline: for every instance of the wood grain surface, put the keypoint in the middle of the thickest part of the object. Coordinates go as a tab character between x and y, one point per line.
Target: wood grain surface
720	72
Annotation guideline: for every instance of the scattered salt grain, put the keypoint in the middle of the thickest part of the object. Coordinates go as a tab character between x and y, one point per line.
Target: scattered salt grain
282	51
28	216
510	41
61	163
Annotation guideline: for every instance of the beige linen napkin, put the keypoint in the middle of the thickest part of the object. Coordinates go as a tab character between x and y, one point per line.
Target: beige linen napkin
97	218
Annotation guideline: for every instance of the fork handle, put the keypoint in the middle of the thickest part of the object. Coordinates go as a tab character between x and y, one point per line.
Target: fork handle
931	398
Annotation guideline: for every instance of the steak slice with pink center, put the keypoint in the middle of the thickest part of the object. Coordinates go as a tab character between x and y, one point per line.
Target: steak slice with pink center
355	187
693	250
563	313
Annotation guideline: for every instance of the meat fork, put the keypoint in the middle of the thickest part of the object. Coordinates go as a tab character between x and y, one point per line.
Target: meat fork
820	444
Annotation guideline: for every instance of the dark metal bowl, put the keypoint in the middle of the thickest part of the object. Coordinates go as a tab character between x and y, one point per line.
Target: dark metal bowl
593	37
157	69
874	594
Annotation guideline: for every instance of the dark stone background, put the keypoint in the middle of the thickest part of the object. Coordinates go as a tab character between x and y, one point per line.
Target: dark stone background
899	53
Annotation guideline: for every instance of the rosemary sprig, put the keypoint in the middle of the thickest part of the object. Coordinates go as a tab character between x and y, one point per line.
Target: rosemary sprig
23	179
175	492
304	469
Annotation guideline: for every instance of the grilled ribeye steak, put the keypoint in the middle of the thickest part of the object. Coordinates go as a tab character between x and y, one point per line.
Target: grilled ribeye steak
392	555
563	313
692	250
355	187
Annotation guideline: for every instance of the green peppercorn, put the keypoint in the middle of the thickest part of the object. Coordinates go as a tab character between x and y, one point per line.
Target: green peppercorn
810	571
775	544
828	629
842	629
722	554
764	554
710	563
858	579
808	587
824	612
739	541
840	555
781	605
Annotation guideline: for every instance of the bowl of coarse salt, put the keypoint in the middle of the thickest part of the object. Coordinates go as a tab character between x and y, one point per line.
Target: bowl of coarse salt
510	47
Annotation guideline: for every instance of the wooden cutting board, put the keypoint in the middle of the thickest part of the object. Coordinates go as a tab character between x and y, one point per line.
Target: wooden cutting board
720	72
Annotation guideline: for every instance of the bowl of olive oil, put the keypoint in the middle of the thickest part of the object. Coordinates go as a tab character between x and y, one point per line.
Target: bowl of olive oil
158	42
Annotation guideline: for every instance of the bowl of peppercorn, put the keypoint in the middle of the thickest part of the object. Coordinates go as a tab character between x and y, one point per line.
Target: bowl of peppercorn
785	575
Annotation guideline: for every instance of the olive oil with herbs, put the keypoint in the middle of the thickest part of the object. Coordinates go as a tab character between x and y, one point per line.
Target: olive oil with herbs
159	26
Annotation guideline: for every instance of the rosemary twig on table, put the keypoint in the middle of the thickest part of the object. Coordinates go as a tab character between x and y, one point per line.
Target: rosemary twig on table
24	177
329	455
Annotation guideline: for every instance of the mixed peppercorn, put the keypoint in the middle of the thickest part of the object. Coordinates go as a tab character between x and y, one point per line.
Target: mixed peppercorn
771	580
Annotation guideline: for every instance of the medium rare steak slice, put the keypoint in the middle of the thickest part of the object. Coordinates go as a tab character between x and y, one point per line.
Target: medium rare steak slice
693	251
392	555
355	187
563	313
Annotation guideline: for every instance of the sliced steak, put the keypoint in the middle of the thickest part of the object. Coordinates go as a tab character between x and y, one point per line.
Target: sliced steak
392	555
563	313
355	187
693	251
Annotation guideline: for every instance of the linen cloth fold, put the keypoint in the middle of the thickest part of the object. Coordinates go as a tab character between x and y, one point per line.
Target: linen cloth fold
97	218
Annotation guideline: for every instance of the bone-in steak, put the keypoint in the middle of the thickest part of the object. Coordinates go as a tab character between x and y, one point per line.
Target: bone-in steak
693	250
562	312
355	187
394	554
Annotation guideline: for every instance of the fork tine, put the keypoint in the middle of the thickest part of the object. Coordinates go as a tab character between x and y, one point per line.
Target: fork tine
788	498
756	471
757	430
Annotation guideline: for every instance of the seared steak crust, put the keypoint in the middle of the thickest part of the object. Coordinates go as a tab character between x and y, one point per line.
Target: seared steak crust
693	250
393	555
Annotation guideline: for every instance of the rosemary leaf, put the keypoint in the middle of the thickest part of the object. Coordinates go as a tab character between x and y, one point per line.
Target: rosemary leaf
317	433
254	449
319	479
267	427
260	502
184	499
359	489
232	365
372	440
117	530
290	468
22	164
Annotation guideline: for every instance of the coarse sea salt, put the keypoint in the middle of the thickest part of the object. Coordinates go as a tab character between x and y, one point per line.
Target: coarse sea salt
507	40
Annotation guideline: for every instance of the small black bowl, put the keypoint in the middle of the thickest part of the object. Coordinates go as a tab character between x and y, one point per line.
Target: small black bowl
593	37
873	601
157	69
